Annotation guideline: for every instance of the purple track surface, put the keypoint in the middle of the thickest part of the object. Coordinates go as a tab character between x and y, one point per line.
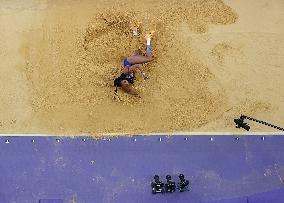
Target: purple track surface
84	170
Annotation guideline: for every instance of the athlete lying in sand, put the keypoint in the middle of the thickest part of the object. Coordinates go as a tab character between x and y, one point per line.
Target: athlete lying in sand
131	65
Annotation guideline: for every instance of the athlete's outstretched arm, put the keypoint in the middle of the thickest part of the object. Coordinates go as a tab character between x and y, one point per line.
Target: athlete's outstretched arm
129	90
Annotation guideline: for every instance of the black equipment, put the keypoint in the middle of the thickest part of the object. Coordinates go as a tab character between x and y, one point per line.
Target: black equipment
170	186
241	124
157	185
183	184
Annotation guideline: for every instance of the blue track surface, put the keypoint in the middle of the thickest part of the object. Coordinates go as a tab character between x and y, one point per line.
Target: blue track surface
221	170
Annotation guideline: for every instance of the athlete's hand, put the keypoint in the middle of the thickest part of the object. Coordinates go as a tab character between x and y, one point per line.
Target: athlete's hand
146	77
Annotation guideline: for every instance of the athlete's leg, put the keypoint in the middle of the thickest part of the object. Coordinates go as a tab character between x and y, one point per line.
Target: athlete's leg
139	59
133	68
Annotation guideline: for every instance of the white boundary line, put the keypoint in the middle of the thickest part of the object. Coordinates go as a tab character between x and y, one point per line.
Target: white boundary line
103	135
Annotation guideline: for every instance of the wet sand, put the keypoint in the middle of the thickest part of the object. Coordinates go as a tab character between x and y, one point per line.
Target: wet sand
214	60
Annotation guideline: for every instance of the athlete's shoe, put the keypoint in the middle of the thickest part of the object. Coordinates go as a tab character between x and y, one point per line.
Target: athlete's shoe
149	35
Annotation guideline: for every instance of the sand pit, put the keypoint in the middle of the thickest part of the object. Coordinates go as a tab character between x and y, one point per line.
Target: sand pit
214	60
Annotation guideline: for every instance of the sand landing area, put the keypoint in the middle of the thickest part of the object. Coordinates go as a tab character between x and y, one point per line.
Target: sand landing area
213	60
